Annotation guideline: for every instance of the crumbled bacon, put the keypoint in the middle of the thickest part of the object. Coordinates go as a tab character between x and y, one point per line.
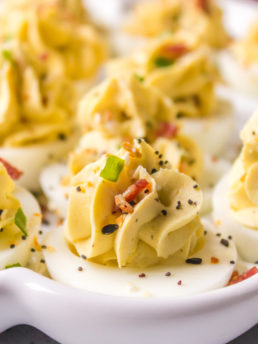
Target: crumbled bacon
123	205
123	200
236	278
13	172
167	130
203	5
43	56
133	190
175	50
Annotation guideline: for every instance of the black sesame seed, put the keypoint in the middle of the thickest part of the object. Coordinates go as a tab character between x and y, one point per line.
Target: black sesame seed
78	188
190	202
160	156
80	268
83	256
139	140
218	234
195	261
32	250
40	232
229	237
166	161
179	205
24	237
1	230
157	152
167	274
205	232
256	262
146	191
62	136
224	242
132	203
43	247
1	211
45	222
161	162
12	246
142	275
232	262
196	186
109	229
164	212
153	171
42	261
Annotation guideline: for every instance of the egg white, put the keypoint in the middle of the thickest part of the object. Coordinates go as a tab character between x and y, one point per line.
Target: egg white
244	78
63	267
246	239
21	252
212	133
214	169
57	194
31	159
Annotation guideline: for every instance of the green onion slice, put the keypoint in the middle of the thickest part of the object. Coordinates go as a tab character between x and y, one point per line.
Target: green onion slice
16	265
20	221
114	166
139	77
7	55
163	62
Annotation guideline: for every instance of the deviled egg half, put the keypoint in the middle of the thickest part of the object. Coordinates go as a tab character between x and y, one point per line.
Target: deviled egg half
113	114
48	54
235	201
239	63
201	18
133	228
185	73
20	219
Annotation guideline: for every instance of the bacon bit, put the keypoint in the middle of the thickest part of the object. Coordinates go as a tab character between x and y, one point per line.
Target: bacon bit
60	221
131	149
214	260
236	278
43	56
167	130
203	5
122	204
13	172
175	50
179	282
133	190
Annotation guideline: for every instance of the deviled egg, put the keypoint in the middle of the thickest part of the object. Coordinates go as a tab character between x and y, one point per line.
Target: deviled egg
239	63
185	73
20	219
133	228
235	200
113	114
203	19
48	55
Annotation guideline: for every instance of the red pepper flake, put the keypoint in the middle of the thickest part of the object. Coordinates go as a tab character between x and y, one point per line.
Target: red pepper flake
167	130
175	50
179	282
43	56
142	275
13	172
236	278
214	260
203	5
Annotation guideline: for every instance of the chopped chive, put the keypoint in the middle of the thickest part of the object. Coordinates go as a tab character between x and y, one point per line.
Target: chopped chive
20	221
7	55
16	265
114	166
163	62
139	77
